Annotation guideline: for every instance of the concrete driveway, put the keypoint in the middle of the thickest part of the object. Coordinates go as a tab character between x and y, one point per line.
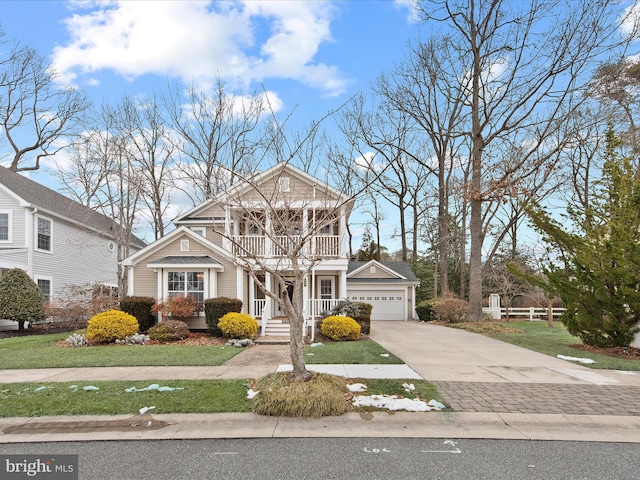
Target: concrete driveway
440	353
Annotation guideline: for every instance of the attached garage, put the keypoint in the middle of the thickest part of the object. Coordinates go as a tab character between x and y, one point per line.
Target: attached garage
388	286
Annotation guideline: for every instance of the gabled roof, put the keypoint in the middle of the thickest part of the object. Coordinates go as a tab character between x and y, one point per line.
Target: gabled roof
33	194
245	186
400	272
140	255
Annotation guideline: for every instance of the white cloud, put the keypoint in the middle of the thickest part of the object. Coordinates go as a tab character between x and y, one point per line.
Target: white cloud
241	41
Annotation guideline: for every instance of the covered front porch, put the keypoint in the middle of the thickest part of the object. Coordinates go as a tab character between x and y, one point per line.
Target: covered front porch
320	291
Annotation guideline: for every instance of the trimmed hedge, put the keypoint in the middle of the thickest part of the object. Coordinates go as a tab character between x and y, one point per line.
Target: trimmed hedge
340	328
169	331
363	317
107	327
425	311
238	325
216	308
140	307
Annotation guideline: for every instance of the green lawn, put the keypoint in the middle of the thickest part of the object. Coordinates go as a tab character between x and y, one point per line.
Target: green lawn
189	396
360	352
111	398
41	351
554	341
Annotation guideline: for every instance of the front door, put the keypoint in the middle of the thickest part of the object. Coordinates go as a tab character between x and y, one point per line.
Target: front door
289	287
326	293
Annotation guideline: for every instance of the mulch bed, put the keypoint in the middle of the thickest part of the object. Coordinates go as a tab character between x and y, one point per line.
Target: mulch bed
629	353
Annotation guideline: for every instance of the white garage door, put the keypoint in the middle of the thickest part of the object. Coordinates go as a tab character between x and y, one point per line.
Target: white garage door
387	304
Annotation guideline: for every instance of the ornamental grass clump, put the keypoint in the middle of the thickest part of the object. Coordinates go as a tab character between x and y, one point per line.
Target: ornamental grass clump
323	395
340	328
107	327
238	325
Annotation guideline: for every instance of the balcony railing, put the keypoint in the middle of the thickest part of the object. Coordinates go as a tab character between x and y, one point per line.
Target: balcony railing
255	246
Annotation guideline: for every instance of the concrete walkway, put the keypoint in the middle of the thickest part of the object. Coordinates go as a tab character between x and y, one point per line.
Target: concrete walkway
496	389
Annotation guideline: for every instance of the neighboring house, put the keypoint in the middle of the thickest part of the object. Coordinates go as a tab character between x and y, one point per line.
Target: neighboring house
59	242
209	253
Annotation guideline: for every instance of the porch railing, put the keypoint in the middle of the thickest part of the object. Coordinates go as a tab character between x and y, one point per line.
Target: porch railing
255	245
318	307
258	307
248	245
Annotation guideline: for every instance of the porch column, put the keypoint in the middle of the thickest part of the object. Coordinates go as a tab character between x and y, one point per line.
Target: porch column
305	231
342	227
266	313
343	285
267	234
226	240
305	299
240	286
252	288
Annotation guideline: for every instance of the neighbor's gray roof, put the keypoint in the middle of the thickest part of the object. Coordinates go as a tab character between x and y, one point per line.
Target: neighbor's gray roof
401	268
185	260
56	203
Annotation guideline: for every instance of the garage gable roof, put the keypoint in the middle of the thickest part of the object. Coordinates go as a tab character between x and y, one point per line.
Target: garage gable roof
396	271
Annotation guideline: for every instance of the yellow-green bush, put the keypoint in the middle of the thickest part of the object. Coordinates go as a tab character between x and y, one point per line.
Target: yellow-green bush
238	325
340	328
110	326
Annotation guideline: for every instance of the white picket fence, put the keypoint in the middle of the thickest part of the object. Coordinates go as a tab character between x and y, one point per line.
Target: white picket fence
523	313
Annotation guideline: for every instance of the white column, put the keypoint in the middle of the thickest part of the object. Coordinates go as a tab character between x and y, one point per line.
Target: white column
240	286
310	247
160	289
251	296
342	223
343	285
226	242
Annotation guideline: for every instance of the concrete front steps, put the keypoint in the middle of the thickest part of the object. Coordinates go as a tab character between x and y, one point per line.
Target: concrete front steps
277	332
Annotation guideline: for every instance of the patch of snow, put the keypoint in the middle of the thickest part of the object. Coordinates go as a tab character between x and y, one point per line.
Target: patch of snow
90	388
409	387
391	402
317	344
144	410
251	393
385	355
576	359
357	387
153	386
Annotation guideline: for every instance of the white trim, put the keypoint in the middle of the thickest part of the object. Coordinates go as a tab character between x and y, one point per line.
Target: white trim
9	214
35	236
375	263
46	278
240	285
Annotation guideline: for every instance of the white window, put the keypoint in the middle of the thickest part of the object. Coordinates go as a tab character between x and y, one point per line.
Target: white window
184	245
199	230
5	226
372	269
43	238
44	284
284	184
186	284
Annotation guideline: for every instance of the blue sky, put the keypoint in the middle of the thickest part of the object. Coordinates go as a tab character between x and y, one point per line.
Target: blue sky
310	56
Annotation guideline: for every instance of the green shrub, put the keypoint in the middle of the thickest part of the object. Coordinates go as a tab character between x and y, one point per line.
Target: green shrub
107	327
363	317
20	298
451	309
425	311
169	331
216	308
238	325
140	307
340	328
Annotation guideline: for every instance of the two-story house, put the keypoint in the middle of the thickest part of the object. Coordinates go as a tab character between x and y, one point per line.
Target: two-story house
57	241
281	223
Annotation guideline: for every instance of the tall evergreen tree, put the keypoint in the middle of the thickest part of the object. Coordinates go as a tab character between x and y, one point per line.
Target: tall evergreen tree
597	270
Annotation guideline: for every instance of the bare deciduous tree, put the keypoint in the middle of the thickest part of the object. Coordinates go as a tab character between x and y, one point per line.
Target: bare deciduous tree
38	117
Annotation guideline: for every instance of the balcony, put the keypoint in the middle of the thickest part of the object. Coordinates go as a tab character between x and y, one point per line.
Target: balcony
256	246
